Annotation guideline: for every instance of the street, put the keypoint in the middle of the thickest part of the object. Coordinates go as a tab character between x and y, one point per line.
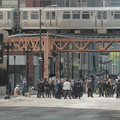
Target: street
33	108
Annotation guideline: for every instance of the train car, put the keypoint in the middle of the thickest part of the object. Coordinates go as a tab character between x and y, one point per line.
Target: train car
8	19
71	20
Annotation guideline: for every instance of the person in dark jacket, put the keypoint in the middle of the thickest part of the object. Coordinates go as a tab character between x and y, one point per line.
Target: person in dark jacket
47	89
59	89
108	89
90	87
72	89
51	88
104	88
10	87
77	87
41	88
38	87
100	87
118	89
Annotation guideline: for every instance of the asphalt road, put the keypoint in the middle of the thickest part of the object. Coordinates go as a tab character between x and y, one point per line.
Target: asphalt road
32	108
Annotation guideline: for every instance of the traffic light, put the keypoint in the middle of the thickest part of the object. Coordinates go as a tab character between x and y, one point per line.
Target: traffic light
1	48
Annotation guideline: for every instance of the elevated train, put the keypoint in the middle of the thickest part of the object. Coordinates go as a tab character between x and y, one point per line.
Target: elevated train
77	20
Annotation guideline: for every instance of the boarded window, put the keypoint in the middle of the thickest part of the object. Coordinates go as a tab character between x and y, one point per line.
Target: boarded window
76	15
1	15
47	15
25	15
53	15
34	15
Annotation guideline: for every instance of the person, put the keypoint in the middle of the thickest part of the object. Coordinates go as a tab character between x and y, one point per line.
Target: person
77	88
67	89
118	89
41	88
104	88
59	89
51	88
100	87
24	87
56	88
90	87
17	90
81	92
108	90
47	89
10	87
38	88
72	88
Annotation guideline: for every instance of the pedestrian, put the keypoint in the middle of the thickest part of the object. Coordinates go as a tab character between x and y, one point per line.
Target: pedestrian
17	89
24	87
9	86
104	88
99	87
59	89
47	89
41	88
77	88
56	88
67	89
90	87
72	89
81	92
38	88
51	87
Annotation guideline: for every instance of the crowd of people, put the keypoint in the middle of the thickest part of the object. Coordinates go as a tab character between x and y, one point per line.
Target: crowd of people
72	89
76	88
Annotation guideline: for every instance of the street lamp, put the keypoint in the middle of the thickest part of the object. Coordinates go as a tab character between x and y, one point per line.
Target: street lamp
14	73
27	52
40	59
8	46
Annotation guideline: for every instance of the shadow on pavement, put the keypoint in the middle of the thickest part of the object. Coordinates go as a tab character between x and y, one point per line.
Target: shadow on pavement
54	113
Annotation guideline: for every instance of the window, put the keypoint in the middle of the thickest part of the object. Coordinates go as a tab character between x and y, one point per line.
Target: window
47	15
25	15
53	15
66	15
91	13
85	16
34	15
7	15
76	15
84	58
117	15
104	15
111	13
1	15
99	15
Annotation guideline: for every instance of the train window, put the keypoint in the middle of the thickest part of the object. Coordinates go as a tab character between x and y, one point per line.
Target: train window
66	16
117	15
99	15
53	15
47	15
1	15
7	15
104	15
76	15
34	15
25	15
85	16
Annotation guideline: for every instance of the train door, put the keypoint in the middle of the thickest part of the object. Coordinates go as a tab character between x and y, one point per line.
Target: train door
104	18
52	19
47	19
2	19
99	19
